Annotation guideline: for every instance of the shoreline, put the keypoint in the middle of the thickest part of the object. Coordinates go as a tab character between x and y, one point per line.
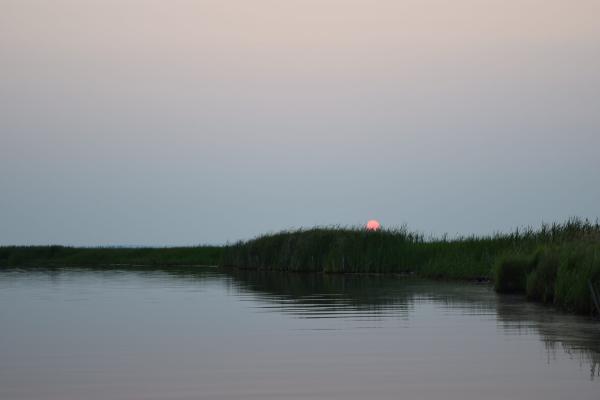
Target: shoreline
558	264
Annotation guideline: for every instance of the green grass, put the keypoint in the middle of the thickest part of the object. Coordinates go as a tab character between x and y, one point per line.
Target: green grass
552	264
400	251
557	274
52	256
511	272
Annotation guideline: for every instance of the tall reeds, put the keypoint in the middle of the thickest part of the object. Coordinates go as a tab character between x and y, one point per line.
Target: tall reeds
552	264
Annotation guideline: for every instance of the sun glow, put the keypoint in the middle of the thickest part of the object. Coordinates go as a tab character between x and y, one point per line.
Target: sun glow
373	225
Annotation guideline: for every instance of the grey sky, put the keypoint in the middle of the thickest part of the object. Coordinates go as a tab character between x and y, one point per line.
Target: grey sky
182	122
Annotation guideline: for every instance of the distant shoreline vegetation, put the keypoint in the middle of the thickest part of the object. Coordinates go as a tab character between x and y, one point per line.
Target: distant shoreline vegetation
555	264
63	256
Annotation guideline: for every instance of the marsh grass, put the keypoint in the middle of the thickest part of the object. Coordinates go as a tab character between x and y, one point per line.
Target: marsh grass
340	249
511	272
558	274
552	264
541	277
50	256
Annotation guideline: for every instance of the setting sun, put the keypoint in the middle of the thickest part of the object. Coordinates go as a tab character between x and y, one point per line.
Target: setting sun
373	225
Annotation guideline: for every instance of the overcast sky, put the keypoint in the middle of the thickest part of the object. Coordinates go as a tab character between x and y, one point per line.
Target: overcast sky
147	122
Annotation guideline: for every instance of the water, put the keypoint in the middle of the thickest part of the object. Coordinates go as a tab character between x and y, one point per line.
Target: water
205	334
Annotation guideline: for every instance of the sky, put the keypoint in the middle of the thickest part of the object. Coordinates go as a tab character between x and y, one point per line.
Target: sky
147	122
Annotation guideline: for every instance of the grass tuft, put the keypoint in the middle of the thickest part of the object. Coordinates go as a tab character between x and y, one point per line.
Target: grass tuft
511	272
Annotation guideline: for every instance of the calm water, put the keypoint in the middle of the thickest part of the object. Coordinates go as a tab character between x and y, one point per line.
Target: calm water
80	334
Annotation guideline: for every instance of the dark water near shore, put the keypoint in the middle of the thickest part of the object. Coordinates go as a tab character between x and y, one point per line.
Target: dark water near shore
205	334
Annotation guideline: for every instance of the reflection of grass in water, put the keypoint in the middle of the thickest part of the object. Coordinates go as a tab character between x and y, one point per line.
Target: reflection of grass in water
349	291
578	338
575	336
585	356
398	296
360	292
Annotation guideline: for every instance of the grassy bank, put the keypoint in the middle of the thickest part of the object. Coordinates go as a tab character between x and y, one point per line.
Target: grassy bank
554	264
50	256
559	274
522	261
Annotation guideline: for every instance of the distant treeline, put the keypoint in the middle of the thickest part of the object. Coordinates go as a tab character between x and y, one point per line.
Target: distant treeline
62	256
554	264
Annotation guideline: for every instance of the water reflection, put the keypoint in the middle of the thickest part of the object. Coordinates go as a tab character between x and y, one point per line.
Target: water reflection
575	336
367	296
344	296
212	320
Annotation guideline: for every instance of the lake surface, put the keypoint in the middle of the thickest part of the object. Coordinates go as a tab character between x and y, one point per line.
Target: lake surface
204	334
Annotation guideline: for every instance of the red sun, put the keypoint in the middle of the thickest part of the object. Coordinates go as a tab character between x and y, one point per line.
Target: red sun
373	225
